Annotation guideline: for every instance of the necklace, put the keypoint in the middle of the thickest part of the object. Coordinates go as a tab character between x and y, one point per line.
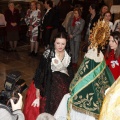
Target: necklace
59	54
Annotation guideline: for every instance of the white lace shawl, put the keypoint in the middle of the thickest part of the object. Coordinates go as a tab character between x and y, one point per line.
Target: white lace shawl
92	54
61	66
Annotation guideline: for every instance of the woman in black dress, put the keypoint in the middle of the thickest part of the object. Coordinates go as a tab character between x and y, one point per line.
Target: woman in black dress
53	75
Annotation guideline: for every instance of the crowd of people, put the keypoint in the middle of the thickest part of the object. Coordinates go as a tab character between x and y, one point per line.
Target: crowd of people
56	92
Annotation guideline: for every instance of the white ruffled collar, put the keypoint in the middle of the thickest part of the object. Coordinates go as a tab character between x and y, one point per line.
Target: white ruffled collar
65	61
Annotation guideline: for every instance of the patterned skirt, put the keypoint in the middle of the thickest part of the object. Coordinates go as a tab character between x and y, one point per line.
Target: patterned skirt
59	87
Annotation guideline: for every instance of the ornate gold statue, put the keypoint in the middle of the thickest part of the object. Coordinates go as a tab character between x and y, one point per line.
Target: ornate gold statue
99	34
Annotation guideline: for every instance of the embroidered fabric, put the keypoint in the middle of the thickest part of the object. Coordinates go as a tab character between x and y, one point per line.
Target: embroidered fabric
92	54
57	65
61	113
46	53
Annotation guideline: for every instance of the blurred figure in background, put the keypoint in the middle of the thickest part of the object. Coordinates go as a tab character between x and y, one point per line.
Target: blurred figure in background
2	20
116	26
12	18
32	19
92	18
75	28
40	7
22	13
107	17
103	10
56	20
47	23
64	8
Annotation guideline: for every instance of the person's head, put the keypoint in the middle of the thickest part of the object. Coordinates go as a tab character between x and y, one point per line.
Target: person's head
45	116
54	3
60	41
5	113
104	9
48	4
11	6
114	43
79	6
39	5
19	7
92	9
107	16
33	5
77	12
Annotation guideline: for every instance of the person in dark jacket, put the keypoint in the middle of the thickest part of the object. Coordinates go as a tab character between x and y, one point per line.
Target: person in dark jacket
47	23
92	18
12	18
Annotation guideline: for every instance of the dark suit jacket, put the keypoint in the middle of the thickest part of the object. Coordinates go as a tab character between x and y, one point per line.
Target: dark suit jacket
93	21
48	19
12	17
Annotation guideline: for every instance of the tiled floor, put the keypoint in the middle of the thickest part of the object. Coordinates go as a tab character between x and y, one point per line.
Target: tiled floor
20	61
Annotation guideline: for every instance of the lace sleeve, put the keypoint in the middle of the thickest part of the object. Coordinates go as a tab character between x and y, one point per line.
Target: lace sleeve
39	74
70	72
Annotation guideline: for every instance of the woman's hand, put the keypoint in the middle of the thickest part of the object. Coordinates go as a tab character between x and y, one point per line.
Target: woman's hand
13	24
36	102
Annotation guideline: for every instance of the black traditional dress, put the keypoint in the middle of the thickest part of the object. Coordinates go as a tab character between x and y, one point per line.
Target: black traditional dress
53	77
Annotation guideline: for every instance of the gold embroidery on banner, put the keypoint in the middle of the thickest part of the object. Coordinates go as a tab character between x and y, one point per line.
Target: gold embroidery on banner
87	102
76	81
78	76
100	86
85	111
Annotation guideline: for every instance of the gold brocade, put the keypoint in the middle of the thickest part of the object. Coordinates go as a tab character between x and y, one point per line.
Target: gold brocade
88	87
85	112
79	75
111	104
99	34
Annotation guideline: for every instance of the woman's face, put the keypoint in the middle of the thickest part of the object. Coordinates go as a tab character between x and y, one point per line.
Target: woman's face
113	43
11	6
60	44
38	6
33	6
91	10
104	9
76	15
107	17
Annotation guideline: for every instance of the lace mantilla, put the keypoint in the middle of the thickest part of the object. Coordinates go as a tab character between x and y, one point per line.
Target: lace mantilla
92	54
47	53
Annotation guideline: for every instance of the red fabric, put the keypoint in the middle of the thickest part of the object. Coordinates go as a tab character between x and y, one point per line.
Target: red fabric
75	20
49	27
29	111
42	104
116	70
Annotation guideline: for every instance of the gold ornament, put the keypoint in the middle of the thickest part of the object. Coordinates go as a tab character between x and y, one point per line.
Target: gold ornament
99	34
